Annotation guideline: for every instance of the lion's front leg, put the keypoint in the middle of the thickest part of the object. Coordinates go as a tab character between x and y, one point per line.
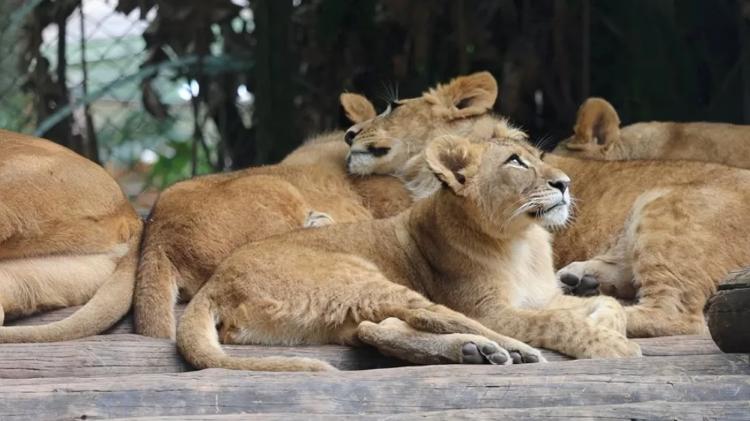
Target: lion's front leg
601	310
610	276
561	330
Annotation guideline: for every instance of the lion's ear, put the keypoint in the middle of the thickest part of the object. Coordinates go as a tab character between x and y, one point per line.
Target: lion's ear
454	160
357	107
465	96
597	124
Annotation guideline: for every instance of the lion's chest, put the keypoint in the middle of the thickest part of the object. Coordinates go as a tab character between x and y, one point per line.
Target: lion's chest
528	276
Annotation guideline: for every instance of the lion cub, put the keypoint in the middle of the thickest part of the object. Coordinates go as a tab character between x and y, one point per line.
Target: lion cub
598	136
477	248
197	223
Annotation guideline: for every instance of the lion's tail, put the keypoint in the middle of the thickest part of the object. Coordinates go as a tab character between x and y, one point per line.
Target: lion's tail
110	303
198	342
156	289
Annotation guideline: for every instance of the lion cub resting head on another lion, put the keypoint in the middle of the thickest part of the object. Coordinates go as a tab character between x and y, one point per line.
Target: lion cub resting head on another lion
597	135
477	248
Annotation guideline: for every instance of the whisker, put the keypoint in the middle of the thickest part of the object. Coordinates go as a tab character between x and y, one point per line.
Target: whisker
543	142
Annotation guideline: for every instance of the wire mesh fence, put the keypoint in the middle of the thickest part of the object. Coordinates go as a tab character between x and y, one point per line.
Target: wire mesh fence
78	72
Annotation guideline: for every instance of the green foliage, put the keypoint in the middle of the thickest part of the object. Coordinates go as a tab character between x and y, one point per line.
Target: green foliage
12	115
176	164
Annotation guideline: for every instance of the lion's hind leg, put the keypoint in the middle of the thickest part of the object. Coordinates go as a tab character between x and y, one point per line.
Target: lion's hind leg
679	254
331	304
396	338
437	318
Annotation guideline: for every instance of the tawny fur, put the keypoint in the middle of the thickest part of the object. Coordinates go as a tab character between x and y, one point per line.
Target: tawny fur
598	135
663	233
466	247
195	224
68	236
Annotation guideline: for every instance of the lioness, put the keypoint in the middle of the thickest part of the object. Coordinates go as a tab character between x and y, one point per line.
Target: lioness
476	247
597	135
68	236
195	224
661	232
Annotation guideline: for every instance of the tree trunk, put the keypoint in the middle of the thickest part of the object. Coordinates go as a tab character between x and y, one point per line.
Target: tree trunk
275	134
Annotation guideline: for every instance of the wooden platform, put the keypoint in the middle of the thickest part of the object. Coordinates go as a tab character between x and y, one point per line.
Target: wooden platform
122	375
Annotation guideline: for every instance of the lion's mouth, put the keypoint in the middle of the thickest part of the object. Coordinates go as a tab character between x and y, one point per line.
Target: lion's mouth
541	212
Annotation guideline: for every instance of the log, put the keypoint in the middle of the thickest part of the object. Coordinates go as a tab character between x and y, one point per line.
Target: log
675	345
697	411
405	390
121	354
729	311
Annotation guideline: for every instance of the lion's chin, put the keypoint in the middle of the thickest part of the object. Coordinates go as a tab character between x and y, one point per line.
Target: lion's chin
359	164
554	217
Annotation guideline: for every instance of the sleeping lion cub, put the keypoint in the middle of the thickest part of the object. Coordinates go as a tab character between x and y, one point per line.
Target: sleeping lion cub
68	236
197	223
597	135
477	248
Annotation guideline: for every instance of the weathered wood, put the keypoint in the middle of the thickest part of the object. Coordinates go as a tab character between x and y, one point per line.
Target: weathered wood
119	354
728	315
709	378
728	312
677	345
661	410
736	279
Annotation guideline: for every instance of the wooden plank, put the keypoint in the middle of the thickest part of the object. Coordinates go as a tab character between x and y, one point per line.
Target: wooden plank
119	354
677	345
684	411
736	279
709	378
671	345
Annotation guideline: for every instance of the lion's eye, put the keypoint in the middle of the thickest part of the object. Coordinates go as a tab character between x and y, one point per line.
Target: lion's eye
516	160
376	151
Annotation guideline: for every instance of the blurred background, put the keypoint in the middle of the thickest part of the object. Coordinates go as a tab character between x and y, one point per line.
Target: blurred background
159	90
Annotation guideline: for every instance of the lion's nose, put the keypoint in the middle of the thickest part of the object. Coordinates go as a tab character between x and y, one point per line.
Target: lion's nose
350	135
561	185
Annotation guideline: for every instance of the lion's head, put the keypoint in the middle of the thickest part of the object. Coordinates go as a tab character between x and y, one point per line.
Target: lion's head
596	132
506	182
381	144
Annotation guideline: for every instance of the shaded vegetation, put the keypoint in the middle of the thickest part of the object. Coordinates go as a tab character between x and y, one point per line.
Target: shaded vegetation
653	59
